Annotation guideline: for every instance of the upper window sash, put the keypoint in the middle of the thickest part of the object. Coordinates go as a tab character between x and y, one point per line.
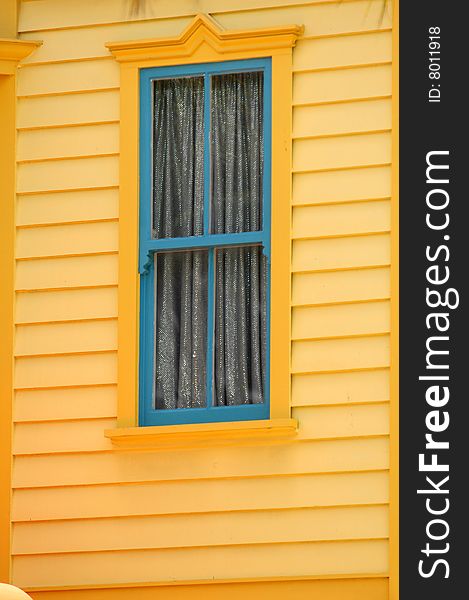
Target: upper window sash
149	245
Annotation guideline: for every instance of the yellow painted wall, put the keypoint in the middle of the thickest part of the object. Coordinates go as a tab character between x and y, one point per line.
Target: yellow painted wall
317	507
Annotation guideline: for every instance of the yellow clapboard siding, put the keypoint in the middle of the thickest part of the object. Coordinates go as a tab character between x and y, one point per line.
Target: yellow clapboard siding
342	84
282	560
66	272
68	77
66	305
67	206
53	371
66	337
340	354
334	119
343	51
296	458
345	319
324	422
341	219
339	253
342	186
68	174
74	403
342	152
89	42
345	286
340	388
318	19
87	435
206	496
67	239
57	143
301	525
70	109
196	489
38	438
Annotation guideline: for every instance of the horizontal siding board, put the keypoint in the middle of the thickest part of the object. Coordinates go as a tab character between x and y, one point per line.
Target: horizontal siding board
74	403
283	560
341	286
66	337
342	186
68	174
342	51
336	119
69	109
67	206
185	531
342	84
37	438
63	142
68	77
341	219
66	305
340	388
66	272
206	496
342	320
342	421
54	371
342	152
340	354
340	253
67	239
297	458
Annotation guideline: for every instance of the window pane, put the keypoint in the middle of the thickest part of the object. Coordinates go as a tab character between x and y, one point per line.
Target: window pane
181	329
237	152
240	326
178	147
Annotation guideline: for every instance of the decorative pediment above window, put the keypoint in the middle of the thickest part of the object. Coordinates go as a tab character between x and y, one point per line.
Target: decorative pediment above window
206	32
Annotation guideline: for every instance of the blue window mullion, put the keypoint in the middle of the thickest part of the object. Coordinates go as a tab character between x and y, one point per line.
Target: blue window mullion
210	325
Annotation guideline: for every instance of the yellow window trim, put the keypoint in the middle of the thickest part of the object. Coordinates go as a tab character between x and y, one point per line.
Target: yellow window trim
205	41
202	435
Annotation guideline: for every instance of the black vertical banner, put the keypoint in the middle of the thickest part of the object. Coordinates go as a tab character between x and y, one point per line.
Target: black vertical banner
434	268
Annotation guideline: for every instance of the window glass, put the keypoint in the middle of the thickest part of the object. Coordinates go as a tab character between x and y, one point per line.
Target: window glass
181	329
237	152
178	157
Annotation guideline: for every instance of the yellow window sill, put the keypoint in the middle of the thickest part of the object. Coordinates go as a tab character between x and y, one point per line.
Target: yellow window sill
202	434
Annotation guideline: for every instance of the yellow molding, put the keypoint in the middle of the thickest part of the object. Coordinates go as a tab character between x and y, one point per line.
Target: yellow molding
197	434
205	30
12	51
204	41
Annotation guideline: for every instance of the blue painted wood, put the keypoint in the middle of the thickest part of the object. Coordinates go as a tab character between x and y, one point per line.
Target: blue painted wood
244	412
148	247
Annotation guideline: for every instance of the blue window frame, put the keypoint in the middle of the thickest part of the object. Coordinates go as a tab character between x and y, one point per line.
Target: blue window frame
149	247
